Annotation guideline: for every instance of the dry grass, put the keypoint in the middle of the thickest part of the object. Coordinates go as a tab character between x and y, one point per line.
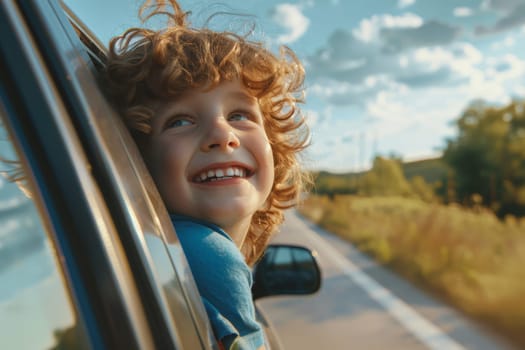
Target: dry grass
469	257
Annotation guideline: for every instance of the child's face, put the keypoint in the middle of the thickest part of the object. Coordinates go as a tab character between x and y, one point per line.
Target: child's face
210	156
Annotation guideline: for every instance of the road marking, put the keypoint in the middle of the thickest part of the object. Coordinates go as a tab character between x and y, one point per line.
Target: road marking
430	335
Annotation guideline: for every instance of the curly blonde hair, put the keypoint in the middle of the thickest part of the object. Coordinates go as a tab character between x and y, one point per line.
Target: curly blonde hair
147	65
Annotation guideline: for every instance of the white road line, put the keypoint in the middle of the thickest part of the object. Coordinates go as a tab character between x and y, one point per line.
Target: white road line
430	335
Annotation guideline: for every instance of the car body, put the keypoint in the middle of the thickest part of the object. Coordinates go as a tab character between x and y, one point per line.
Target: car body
91	259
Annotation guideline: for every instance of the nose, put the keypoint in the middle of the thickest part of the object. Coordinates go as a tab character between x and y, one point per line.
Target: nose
221	136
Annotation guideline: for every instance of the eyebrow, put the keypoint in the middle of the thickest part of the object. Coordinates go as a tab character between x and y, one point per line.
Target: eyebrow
244	97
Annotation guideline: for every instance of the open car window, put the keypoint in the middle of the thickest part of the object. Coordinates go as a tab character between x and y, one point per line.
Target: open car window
138	206
142	209
88	161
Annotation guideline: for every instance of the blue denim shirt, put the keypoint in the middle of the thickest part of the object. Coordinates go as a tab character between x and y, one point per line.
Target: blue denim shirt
224	281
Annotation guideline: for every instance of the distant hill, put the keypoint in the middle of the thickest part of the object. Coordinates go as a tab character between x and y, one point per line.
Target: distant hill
432	169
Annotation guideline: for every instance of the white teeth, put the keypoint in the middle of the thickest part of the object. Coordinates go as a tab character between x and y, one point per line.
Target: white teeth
215	174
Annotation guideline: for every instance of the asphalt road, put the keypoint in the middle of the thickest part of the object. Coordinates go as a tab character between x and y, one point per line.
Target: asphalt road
361	305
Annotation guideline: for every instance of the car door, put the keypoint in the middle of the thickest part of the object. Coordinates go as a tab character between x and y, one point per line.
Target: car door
109	237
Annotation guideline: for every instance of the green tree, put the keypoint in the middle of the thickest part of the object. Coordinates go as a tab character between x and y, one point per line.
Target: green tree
488	157
421	189
386	178
330	184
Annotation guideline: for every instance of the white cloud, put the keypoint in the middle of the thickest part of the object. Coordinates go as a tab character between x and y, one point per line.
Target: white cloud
509	41
291	18
456	66
421	59
520	90
511	15
330	90
462	12
507	67
345	93
405	3
409	121
433	58
462	59
405	98
369	29
494	79
389	110
415	122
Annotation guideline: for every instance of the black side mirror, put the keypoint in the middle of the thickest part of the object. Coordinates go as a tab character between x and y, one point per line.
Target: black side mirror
286	269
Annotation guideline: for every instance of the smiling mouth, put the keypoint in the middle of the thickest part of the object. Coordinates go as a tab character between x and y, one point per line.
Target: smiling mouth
211	175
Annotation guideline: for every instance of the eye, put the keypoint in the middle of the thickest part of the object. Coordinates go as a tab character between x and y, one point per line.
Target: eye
238	116
178	122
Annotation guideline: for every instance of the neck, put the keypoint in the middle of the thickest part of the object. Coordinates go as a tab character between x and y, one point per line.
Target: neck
238	231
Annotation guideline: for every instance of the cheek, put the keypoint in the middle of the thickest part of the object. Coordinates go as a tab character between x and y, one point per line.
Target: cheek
268	166
164	165
171	164
268	151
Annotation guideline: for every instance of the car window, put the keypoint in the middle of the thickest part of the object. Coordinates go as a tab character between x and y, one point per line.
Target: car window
120	255
36	310
132	196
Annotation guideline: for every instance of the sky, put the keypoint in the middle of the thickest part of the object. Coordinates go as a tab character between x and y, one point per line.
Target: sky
384	77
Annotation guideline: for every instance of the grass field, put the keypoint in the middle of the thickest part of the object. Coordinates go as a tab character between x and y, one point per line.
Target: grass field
466	256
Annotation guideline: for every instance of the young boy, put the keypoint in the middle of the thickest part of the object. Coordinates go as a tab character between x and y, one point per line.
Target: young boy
216	118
